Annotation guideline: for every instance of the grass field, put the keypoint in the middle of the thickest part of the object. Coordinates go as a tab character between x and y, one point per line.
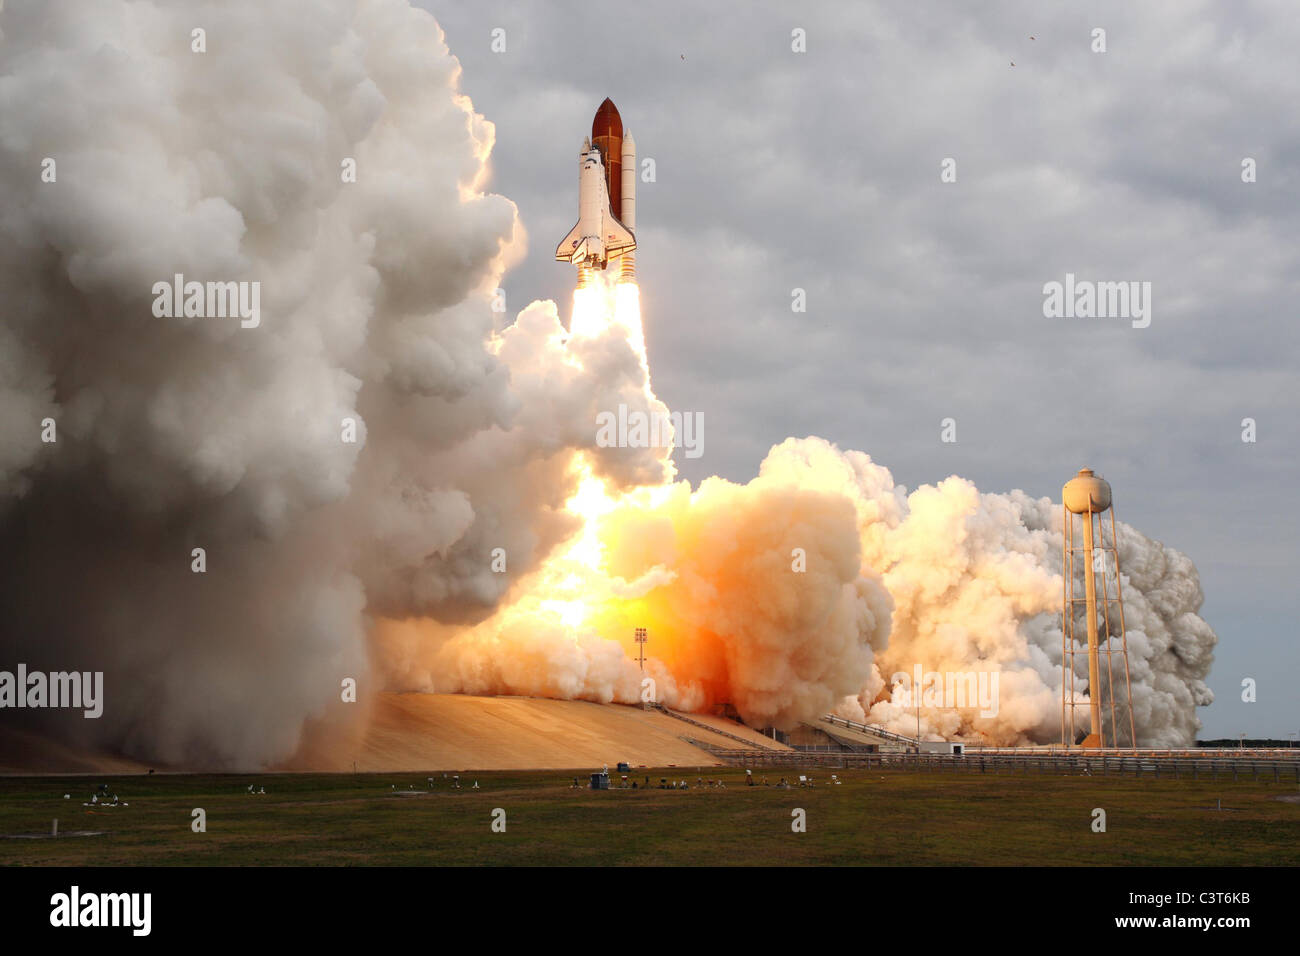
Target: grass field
875	817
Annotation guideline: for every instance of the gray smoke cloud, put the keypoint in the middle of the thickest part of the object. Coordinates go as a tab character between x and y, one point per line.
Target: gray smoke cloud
180	433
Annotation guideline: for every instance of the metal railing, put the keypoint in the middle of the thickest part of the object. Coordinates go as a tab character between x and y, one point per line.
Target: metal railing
873	729
749	744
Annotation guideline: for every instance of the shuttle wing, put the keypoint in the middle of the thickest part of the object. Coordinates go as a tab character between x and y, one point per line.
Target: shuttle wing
618	238
564	252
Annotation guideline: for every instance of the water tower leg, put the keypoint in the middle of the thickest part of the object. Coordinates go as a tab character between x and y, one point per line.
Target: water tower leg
1094	739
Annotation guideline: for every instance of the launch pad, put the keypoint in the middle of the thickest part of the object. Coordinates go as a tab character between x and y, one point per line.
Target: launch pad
457	731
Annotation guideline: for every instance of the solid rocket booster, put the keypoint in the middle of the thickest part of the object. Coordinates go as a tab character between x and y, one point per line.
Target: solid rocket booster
628	207
606	200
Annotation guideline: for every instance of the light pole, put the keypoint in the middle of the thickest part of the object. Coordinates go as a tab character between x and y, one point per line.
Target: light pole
641	639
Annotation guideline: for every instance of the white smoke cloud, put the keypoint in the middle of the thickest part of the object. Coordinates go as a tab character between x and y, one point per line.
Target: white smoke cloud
193	432
976	584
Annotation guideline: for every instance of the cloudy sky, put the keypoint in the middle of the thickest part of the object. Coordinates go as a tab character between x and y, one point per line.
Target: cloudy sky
820	170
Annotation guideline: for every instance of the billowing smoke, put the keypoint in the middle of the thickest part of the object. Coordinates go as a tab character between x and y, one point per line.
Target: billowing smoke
361	450
754	595
811	588
976	585
386	483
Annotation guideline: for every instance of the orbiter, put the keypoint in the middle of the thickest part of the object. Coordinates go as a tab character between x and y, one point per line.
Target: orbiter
606	184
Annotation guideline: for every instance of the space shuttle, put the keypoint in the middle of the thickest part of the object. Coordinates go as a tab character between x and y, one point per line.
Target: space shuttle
606	200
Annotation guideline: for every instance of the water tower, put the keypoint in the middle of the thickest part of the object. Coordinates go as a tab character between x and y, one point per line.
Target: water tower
1096	563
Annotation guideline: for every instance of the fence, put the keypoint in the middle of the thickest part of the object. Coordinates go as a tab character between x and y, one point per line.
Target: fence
1104	765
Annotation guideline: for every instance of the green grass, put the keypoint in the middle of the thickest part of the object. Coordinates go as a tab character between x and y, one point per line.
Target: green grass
876	817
